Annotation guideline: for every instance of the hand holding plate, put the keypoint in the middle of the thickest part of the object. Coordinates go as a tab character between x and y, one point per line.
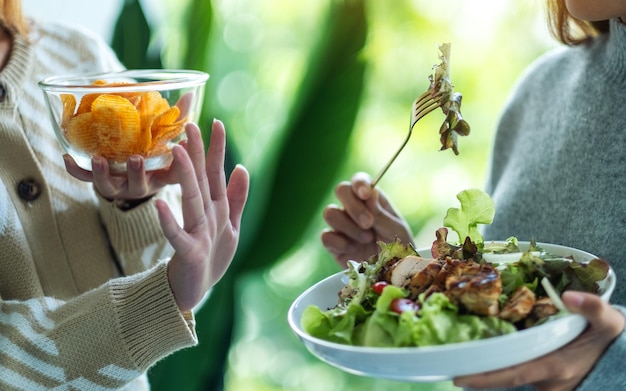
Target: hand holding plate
564	368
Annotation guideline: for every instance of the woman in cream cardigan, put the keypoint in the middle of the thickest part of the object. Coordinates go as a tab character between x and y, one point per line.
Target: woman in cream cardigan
97	279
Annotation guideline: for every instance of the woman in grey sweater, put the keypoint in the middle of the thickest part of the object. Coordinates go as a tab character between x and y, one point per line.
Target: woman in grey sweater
558	174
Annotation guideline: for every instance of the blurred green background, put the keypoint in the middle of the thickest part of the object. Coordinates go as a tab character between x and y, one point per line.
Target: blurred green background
312	91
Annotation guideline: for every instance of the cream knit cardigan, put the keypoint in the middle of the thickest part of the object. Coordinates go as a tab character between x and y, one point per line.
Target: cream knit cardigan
84	297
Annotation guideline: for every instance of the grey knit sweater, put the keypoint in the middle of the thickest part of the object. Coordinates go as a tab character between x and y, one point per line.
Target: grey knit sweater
558	172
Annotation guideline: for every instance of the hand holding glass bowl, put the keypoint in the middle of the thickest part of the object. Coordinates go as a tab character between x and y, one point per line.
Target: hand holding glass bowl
121	114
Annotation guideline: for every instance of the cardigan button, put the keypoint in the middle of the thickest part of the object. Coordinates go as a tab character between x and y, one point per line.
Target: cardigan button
29	189
3	93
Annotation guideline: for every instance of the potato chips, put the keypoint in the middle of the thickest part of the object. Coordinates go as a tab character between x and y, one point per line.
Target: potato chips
117	125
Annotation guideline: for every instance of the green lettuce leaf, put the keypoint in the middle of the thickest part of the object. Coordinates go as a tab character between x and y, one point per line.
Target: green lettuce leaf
383	328
440	323
476	208
335	325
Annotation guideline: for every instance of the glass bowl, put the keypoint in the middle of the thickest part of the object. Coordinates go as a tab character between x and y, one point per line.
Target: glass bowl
120	114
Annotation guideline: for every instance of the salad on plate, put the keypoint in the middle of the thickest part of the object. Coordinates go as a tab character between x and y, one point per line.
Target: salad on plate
466	291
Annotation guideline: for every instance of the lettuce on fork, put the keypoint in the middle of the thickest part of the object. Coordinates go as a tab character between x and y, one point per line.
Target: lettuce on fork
440	81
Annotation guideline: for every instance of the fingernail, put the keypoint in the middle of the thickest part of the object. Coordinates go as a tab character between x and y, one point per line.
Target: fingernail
135	162
97	164
573	299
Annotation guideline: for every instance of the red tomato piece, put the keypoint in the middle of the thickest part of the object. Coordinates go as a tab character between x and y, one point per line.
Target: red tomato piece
403	304
379	286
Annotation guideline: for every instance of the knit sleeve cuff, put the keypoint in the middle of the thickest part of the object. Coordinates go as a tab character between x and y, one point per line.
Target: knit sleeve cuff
150	322
132	229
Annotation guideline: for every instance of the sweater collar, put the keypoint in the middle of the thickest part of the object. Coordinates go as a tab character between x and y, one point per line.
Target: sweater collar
16	70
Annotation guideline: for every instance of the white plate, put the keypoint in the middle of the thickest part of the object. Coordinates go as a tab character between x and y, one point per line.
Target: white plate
440	363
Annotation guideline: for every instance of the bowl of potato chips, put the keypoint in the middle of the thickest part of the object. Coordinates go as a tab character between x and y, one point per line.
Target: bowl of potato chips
121	114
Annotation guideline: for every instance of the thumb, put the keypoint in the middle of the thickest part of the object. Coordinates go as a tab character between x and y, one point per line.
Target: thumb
589	305
585	304
605	322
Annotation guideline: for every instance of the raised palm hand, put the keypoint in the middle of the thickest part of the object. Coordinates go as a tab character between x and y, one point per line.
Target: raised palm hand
206	244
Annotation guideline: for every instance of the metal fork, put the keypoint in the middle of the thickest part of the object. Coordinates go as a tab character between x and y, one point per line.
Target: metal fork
422	106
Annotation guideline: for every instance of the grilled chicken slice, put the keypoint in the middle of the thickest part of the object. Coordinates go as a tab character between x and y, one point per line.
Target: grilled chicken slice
401	272
543	308
413	273
474	286
519	305
421	281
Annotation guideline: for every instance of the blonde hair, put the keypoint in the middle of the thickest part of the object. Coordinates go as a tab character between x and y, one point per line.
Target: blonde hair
12	19
568	29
